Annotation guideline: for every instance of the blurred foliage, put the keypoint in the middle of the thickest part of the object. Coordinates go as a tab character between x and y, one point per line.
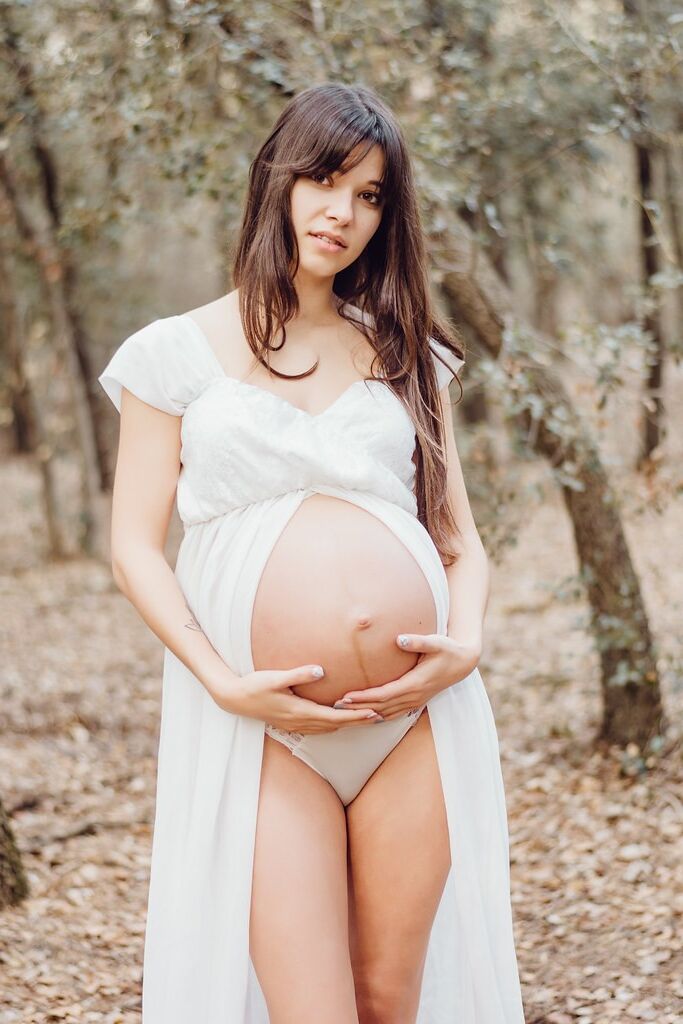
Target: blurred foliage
520	118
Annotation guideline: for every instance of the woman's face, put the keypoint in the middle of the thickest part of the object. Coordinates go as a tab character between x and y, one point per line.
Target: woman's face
344	205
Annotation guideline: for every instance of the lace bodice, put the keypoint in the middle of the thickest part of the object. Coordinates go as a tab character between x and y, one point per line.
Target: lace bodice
242	444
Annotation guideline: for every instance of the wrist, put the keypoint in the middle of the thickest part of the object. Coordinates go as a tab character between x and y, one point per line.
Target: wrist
469	638
466	653
225	688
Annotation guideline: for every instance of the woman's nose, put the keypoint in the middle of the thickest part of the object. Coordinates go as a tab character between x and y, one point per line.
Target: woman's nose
341	208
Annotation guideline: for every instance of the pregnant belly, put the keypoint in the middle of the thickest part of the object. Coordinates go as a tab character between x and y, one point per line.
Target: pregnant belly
336	590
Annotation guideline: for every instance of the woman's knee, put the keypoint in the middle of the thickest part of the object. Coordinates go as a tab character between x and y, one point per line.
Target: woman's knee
387	997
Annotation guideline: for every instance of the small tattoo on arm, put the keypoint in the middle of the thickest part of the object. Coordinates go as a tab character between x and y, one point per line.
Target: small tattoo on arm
193	624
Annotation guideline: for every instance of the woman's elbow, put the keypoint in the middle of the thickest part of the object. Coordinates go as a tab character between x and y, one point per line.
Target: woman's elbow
471	543
118	573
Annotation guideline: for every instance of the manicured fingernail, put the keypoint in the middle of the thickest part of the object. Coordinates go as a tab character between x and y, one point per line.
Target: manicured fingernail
403	640
340	705
373	714
317	671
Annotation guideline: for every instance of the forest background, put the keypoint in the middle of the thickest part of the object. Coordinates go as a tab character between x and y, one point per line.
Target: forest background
546	140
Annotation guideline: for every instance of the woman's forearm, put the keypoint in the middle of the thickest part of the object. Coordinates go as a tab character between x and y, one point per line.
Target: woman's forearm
468	587
149	583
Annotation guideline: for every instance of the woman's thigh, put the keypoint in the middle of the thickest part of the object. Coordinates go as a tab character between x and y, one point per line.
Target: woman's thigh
399	859
299	941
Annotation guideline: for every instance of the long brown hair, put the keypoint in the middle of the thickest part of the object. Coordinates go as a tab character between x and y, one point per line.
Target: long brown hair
316	133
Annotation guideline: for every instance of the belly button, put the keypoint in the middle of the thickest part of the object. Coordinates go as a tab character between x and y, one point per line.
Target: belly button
364	621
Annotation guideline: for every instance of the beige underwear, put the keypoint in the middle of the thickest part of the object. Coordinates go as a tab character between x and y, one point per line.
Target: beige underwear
348	756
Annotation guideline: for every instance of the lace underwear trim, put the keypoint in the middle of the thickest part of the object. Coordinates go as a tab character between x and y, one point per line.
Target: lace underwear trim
291	739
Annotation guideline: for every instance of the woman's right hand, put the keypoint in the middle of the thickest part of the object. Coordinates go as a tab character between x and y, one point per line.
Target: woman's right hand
266	694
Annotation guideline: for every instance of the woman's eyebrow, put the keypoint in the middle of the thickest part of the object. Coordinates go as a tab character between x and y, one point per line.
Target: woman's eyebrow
372	182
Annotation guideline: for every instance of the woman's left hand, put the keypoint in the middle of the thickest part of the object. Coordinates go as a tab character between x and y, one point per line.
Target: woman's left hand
444	661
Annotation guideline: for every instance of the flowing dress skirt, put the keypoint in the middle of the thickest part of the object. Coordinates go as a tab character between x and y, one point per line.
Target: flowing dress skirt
197	968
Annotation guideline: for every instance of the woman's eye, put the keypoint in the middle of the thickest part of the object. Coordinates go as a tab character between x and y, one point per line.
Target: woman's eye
319	178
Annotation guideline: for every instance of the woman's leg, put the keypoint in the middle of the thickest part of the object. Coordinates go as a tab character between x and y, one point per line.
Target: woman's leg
299	940
399	859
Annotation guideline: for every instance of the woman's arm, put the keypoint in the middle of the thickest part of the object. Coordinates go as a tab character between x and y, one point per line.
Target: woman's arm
147	469
469	578
468	586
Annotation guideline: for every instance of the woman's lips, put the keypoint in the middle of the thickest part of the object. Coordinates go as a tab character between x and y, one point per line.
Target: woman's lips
325	245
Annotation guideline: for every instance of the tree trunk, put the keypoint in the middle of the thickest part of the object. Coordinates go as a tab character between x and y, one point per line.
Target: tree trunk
672	202
632	708
48	179
35	231
23	423
649	251
13	881
543	275
649	263
12	335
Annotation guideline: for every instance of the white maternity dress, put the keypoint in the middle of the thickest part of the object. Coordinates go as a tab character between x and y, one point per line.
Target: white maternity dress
249	458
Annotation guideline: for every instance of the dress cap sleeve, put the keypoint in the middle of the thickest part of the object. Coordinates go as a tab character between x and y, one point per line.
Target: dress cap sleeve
156	364
444	374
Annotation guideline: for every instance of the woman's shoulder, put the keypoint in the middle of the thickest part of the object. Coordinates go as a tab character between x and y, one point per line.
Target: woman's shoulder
439	352
163	362
443	354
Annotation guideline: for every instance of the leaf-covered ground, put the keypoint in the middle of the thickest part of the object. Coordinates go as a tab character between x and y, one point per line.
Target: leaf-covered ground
596	844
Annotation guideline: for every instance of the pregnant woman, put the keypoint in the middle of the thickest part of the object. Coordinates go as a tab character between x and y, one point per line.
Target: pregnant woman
330	841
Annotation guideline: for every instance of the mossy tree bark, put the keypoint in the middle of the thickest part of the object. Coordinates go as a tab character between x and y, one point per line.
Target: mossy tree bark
542	409
13	881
